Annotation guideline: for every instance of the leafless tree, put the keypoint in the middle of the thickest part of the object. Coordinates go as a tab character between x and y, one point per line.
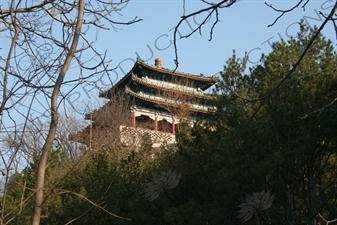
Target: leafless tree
30	144
44	39
70	123
106	123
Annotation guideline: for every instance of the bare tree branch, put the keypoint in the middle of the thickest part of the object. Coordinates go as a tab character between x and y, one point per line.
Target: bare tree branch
327	221
286	10
213	8
45	39
92	203
265	98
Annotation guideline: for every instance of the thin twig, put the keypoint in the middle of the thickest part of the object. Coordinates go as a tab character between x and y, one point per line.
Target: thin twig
284	11
213	8
289	73
62	191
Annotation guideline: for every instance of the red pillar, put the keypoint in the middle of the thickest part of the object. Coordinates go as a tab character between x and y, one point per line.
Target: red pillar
173	127
134	119
155	123
90	137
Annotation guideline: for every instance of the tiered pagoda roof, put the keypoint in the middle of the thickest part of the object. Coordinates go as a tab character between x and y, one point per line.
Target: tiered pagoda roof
154	95
143	82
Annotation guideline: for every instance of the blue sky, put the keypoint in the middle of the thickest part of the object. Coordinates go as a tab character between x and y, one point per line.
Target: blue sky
243	27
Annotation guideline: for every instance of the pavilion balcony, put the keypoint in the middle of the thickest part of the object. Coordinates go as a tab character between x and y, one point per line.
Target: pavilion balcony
134	136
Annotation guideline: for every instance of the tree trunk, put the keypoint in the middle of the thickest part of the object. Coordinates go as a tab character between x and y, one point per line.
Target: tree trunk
36	217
